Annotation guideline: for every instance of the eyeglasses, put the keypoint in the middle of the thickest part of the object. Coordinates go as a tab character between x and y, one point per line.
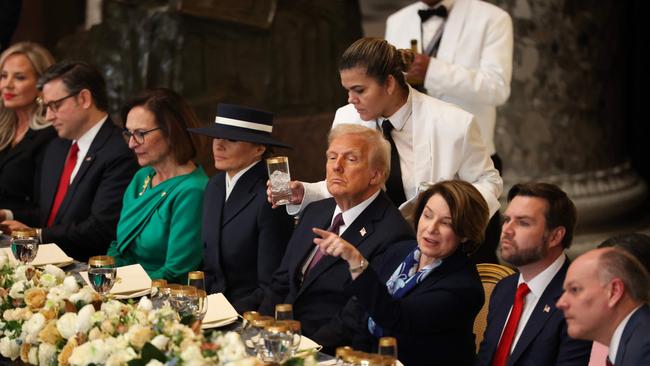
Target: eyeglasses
56	104
137	135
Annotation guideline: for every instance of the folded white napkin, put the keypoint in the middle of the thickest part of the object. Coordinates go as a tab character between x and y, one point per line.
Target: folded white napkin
220	312
131	280
47	254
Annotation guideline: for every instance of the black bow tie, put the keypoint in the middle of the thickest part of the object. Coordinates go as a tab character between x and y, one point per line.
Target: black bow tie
440	11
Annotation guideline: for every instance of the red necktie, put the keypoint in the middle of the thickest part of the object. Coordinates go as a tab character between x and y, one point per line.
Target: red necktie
334	228
607	362
508	336
64	182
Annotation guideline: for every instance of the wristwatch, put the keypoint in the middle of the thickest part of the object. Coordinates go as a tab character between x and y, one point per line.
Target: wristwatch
360	268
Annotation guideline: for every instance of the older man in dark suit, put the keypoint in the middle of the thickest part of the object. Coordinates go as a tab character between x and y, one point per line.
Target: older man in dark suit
606	294
524	326
85	170
358	160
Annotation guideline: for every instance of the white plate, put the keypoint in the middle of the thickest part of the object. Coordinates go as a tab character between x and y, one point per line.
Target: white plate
47	254
132	295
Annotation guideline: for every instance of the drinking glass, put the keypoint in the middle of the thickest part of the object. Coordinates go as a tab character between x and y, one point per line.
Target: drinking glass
248	330
280	178
181	300
156	295
341	353
276	343
24	245
295	333
388	347
102	274
254	343
196	279
198	303
283	312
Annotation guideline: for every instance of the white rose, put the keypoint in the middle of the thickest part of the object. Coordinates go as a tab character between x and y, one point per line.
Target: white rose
232	347
154	362
84	318
84	295
192	356
145	304
47	354
17	290
70	285
47	280
3	259
96	352
32	356
67	325
112	308
19	273
121	357
9	348
160	341
98	317
55	271
32	326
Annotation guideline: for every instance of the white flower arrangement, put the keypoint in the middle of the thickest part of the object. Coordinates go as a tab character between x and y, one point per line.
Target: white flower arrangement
50	319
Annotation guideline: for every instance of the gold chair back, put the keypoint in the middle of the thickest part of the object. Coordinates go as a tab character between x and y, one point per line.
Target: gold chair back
490	274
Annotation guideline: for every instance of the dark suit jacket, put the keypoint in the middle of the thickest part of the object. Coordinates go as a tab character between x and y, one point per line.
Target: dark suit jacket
433	323
20	168
87	218
544	340
634	347
321	296
243	238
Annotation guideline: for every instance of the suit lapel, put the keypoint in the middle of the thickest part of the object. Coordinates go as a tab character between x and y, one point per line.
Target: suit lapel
356	233
421	141
500	312
243	192
453	27
628	332
544	309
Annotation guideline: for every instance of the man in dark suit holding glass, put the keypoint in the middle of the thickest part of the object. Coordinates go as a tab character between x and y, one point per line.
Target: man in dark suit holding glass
358	160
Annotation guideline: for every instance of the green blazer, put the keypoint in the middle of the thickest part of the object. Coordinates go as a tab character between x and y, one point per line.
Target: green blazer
160	227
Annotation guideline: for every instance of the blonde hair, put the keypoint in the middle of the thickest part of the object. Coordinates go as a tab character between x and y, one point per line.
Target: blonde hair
40	59
379	147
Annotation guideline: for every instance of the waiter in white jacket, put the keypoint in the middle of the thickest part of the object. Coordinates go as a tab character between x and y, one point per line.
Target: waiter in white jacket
430	140
465	58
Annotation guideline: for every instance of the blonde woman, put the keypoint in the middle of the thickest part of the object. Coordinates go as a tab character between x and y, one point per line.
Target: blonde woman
24	133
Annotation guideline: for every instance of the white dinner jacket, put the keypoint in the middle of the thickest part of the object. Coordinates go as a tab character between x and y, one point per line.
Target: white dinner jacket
473	66
446	143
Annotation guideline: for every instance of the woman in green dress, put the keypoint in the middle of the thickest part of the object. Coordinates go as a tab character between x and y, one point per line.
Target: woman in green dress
159	225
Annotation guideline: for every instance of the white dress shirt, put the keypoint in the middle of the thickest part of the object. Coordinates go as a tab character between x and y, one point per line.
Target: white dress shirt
231	182
618	333
83	143
537	287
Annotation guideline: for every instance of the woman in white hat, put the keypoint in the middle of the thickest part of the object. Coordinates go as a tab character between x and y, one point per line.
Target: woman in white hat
243	237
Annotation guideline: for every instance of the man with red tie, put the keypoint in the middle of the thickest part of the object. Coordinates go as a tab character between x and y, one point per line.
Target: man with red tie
606	294
524	326
85	171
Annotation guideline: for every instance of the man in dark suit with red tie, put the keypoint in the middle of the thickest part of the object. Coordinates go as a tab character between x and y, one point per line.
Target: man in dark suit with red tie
524	326
606	295
85	170
358	160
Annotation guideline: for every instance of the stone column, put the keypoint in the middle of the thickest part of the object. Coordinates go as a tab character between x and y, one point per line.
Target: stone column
565	121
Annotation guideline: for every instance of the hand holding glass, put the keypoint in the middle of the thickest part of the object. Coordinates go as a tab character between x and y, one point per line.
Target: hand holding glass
280	178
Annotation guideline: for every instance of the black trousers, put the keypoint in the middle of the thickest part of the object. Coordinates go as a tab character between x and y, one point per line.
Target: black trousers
487	252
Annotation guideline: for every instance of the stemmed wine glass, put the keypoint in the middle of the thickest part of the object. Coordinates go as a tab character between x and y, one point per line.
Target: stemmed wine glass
388	348
102	274
283	312
196	279
24	245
